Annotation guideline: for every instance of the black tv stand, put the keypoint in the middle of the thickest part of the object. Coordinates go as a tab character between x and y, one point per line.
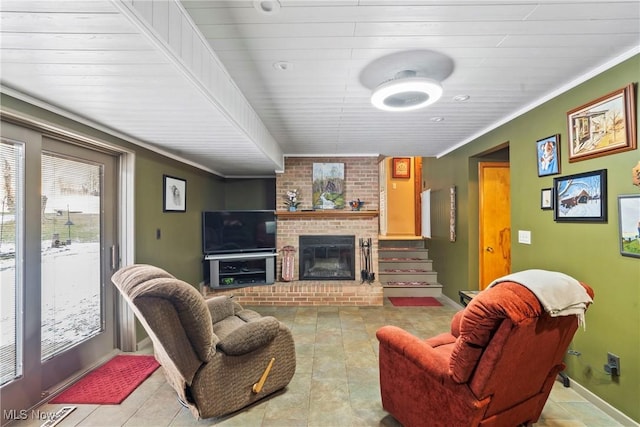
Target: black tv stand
241	269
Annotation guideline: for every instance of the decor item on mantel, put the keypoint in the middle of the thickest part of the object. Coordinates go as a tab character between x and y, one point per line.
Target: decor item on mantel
328	186
291	201
356	204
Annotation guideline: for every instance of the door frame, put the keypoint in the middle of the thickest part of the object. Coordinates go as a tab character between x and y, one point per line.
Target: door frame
124	320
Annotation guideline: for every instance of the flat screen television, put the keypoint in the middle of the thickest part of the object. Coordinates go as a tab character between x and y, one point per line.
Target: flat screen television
238	231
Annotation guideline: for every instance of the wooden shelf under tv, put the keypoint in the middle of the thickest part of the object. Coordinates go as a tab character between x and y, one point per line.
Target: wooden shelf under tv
326	214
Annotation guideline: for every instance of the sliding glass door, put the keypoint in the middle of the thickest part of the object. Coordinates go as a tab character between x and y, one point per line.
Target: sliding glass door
58	228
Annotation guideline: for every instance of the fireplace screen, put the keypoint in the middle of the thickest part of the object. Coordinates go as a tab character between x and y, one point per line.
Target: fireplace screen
327	257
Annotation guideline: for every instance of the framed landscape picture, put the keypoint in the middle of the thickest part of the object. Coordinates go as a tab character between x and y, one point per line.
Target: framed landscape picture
604	126
328	186
629	225
581	197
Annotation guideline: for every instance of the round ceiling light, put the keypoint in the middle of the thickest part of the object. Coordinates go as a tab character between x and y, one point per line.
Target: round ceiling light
407	80
406	94
268	7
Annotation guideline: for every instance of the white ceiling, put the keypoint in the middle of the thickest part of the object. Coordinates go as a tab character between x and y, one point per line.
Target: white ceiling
196	79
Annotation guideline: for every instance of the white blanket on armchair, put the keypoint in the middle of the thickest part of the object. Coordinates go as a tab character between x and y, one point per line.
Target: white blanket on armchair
559	294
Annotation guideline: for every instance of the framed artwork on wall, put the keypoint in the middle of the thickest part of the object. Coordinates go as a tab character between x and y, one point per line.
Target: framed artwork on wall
546	199
603	126
328	186
452	214
401	167
629	225
548	155
581	197
174	194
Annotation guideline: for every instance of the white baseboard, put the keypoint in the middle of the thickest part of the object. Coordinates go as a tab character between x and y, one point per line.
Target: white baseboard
450	302
602	404
144	343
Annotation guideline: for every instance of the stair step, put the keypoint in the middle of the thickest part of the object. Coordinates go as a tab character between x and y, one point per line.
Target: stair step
409	284
405	263
412	243
406	270
403	253
408	275
433	290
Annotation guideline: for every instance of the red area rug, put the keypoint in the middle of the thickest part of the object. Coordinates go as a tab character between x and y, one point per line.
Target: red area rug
110	383
414	302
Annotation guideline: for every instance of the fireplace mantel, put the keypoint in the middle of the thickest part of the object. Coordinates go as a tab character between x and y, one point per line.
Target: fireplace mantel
326	214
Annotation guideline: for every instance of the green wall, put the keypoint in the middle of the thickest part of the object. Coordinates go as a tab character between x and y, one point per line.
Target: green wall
586	251
179	248
251	193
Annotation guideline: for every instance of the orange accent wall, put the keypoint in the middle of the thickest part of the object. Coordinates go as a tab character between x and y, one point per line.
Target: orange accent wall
400	207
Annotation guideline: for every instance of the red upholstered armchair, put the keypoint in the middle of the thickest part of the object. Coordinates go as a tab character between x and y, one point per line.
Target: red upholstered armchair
495	368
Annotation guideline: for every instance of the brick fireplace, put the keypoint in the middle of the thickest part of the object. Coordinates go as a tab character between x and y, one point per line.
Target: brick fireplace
361	182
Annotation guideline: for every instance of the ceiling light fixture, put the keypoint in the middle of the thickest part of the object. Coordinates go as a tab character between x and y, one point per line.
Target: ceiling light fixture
407	80
461	98
406	92
268	7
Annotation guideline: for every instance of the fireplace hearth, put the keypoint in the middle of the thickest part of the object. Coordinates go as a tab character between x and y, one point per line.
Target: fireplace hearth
327	257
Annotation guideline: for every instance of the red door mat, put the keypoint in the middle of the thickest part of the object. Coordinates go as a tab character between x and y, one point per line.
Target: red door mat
110	383
414	302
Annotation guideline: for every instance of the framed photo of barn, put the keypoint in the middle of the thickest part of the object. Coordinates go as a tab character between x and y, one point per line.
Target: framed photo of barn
581	197
603	126
629	224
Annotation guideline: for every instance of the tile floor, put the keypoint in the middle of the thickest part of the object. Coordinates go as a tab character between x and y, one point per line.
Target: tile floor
336	380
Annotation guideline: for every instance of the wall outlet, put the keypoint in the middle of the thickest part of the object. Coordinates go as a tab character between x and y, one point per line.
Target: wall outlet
613	365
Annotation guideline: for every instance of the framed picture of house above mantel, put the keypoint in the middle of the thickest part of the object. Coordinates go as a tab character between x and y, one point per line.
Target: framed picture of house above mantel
581	197
603	126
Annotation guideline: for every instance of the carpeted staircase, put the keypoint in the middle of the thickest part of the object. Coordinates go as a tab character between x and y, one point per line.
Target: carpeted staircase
405	270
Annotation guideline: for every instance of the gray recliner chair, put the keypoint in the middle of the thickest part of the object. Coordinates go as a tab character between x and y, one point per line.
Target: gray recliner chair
218	356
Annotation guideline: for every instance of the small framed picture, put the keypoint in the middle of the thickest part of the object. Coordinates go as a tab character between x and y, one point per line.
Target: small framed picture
546	199
401	167
581	197
174	194
548	155
629	225
604	126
